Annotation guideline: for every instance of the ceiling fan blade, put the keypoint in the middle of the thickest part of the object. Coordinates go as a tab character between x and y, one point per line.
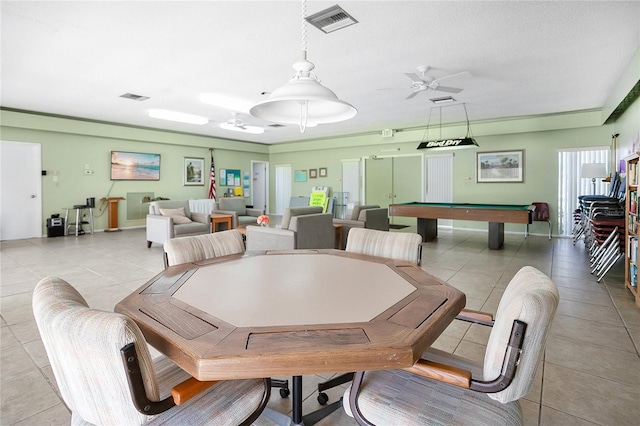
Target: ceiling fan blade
447	89
413	94
450	76
414	77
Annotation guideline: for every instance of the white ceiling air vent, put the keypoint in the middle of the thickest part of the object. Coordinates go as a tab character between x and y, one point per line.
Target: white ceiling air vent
134	97
331	19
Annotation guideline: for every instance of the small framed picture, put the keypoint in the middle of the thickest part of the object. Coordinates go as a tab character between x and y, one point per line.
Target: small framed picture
323	172
193	171
313	173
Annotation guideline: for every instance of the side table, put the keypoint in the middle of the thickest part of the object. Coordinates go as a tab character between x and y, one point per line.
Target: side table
220	218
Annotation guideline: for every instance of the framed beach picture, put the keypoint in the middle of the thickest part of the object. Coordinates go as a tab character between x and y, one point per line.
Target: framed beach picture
500	166
134	166
193	171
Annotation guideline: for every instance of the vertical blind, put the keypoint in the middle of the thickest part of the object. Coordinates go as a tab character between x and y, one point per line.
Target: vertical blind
571	185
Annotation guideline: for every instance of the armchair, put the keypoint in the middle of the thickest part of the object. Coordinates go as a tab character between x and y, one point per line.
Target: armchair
106	376
444	388
301	228
201	247
170	219
369	216
240	213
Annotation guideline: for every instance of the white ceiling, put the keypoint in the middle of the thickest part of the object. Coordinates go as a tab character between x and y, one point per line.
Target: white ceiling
524	58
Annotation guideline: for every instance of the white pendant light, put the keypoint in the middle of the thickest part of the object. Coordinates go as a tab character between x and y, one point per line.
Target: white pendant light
303	100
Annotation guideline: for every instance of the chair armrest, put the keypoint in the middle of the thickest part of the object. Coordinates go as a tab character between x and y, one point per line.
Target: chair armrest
477	317
159	228
442	373
263	238
234	216
254	212
201	217
186	390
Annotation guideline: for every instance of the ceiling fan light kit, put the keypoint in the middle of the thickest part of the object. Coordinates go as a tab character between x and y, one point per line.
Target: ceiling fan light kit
303	100
255	130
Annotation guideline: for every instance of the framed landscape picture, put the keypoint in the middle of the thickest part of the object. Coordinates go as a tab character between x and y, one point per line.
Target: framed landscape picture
500	166
193	171
134	166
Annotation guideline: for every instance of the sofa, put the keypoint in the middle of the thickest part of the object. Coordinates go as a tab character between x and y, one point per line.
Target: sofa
169	219
301	228
370	216
237	208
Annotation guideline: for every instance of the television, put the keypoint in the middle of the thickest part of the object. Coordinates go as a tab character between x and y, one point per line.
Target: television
134	166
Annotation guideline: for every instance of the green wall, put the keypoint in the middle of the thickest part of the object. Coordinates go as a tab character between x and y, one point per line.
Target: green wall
69	146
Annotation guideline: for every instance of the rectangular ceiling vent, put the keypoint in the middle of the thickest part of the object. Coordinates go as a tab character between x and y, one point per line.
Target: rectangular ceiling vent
331	19
134	97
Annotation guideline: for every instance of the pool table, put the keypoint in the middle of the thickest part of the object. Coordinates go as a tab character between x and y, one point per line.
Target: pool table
496	214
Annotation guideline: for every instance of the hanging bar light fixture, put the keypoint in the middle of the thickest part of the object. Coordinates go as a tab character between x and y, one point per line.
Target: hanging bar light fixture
303	100
467	141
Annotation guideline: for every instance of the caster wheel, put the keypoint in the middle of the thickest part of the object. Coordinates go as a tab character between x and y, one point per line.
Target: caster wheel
322	398
284	392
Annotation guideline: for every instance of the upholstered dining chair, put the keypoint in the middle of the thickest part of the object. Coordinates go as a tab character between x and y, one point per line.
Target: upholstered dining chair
393	245
201	247
106	375
443	388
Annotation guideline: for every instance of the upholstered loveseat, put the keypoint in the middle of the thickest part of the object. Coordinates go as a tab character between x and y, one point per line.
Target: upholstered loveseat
301	228
170	219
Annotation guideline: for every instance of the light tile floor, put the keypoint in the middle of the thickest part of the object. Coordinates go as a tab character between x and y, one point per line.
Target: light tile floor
590	375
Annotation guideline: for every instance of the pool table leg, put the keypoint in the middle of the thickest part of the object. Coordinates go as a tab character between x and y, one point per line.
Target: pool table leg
428	228
496	235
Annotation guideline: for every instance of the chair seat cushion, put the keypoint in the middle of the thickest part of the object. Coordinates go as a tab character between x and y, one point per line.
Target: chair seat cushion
191	228
402	398
226	403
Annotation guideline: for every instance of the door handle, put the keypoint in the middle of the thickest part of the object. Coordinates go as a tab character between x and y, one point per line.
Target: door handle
33	196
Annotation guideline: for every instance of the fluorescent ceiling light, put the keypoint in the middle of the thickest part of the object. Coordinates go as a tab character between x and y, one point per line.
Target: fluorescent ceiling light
244	128
180	117
226	102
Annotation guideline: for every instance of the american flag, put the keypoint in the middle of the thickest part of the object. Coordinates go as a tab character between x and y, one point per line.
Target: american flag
212	178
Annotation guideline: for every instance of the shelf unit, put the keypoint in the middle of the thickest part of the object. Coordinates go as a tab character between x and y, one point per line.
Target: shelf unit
632	226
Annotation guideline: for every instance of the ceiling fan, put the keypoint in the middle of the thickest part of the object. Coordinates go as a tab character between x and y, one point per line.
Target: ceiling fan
238	125
422	83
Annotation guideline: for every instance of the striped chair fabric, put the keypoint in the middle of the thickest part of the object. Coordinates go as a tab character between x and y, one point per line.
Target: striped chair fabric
400	397
393	245
83	346
201	247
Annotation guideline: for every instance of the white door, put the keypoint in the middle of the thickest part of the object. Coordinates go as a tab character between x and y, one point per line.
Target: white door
350	188
440	182
20	191
283	188
260	185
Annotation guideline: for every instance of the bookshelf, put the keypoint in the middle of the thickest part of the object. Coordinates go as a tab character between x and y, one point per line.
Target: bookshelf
632	228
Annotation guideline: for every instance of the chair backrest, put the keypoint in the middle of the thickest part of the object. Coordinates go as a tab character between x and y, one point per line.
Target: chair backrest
83	346
201	247
290	212
355	213
533	298
541	212
155	206
236	204
393	245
